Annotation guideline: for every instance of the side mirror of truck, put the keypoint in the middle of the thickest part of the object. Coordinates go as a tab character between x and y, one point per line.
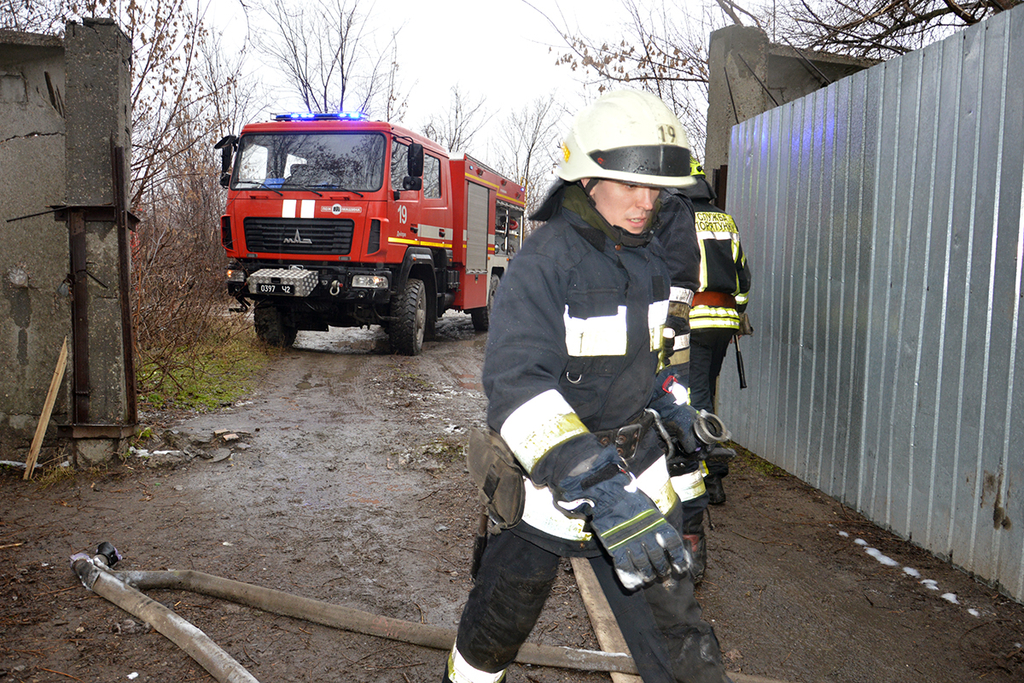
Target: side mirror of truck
415	161
410	183
227	147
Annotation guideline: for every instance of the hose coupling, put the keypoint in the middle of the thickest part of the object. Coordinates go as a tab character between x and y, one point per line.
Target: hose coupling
709	428
109	553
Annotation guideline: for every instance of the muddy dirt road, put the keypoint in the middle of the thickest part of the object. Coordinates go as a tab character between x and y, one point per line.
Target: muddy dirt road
347	484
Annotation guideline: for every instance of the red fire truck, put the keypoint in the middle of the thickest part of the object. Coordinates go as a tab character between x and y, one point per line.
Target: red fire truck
334	220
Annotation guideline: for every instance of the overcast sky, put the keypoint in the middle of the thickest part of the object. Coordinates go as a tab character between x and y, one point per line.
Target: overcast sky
503	51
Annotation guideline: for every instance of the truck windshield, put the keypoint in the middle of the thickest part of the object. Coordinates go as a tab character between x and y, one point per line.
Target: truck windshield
292	161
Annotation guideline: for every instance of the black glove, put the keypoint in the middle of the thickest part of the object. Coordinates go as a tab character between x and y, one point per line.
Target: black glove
642	544
679	323
677	416
693	433
675	340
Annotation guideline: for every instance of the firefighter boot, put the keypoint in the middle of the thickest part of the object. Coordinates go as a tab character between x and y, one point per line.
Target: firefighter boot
717	464
458	669
693	534
716	492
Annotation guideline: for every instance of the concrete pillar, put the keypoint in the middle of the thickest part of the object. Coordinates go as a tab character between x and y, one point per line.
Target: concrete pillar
98	123
737	59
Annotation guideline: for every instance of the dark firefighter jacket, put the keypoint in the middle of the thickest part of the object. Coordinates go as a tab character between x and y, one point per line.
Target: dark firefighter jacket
675	230
573	349
724	274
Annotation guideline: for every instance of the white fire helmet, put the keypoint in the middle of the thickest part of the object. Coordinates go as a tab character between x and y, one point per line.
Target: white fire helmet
629	136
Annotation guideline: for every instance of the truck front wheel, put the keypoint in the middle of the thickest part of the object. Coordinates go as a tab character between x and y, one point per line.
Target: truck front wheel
482	316
410	319
271	327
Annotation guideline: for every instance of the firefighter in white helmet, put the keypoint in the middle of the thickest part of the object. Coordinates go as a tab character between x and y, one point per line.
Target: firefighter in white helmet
574	463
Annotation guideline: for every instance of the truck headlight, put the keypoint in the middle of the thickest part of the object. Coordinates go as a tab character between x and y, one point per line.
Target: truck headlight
236	275
370	281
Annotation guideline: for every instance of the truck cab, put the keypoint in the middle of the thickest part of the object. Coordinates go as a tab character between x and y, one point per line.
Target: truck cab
333	220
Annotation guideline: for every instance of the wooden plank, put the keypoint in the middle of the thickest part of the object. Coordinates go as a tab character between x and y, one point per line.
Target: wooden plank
607	629
44	418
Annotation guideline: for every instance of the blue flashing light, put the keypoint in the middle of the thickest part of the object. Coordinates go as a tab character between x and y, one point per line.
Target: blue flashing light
311	116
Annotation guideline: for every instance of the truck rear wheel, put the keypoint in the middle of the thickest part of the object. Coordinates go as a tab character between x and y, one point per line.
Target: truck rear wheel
271	327
482	316
410	319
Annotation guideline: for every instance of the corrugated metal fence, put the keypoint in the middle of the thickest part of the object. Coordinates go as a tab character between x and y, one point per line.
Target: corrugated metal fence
882	219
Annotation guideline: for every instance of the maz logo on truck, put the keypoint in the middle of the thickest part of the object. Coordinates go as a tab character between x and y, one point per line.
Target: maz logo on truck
298	239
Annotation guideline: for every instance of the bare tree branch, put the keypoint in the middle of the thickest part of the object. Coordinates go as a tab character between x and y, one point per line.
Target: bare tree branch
458	123
326	52
661	50
731	10
527	136
883	28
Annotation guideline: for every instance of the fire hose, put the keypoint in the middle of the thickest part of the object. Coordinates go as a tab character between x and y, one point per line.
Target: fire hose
123	588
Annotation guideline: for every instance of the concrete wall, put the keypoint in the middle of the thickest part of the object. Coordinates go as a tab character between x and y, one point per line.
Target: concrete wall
748	75
35	308
65	112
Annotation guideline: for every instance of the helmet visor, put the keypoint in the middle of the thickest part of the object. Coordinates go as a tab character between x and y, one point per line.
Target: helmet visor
652	160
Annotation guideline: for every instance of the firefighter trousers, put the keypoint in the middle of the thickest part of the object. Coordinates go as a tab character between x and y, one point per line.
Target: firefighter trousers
661	624
708	348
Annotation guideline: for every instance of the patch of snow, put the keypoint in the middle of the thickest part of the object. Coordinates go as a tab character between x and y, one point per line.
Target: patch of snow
930	584
877	554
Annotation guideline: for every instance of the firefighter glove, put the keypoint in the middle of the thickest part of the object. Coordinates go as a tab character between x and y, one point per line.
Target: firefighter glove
676	340
679	316
642	544
692	433
680	324
679	420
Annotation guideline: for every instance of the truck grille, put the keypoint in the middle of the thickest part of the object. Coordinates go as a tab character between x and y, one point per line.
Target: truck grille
299	235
